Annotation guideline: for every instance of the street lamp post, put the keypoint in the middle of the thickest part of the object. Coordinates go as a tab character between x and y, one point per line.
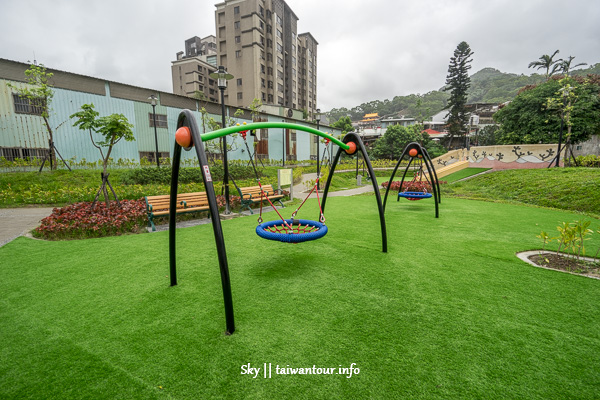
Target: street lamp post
222	77
318	119
153	99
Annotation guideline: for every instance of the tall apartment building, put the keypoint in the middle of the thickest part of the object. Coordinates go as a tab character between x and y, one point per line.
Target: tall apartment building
191	71
258	43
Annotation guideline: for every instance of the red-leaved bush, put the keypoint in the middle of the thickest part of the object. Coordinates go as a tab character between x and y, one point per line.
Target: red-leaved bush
79	221
410	186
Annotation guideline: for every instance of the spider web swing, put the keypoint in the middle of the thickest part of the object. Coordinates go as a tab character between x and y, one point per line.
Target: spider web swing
288	230
416	195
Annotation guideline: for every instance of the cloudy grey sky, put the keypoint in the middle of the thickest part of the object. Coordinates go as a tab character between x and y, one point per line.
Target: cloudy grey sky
368	50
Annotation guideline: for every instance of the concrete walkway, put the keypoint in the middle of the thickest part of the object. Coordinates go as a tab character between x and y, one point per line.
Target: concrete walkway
301	190
15	222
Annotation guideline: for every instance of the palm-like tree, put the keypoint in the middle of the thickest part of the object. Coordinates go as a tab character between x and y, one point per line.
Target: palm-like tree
565	65
547	62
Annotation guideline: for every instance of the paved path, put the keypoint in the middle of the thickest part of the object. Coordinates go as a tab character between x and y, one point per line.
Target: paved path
15	222
301	188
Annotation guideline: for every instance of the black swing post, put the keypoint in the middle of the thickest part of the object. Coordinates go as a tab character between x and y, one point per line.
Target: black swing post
430	170
354	138
187	119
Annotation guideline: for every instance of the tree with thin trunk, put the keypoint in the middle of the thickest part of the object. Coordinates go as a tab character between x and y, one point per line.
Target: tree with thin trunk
565	65
548	63
458	83
39	95
113	128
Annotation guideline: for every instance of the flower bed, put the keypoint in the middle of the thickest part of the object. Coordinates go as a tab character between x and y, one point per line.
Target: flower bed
79	221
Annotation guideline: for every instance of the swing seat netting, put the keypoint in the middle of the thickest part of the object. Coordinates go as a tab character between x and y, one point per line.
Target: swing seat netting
414	195
302	230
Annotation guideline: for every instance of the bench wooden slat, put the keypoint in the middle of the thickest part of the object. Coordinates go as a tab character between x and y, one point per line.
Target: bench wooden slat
186	202
253	194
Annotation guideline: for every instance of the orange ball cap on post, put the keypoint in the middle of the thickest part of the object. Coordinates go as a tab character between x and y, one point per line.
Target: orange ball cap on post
413	152
183	137
352	148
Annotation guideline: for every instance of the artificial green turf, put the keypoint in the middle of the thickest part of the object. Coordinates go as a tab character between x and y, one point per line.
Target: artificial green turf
463	173
575	189
449	312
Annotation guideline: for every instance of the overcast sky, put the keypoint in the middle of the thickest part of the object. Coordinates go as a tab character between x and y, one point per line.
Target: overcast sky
368	50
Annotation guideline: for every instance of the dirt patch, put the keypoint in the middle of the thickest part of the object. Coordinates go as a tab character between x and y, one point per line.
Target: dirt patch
566	263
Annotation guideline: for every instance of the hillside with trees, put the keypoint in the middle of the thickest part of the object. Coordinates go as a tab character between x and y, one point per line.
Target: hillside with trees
487	86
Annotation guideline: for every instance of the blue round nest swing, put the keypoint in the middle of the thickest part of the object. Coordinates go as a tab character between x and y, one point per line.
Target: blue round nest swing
415	195
302	230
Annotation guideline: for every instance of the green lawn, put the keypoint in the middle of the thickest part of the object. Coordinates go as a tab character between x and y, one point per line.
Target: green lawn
448	313
463	173
576	189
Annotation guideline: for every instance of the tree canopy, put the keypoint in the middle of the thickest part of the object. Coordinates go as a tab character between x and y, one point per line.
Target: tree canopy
391	145
528	118
344	124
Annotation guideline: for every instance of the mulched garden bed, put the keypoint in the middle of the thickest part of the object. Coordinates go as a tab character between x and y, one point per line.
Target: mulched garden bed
567	263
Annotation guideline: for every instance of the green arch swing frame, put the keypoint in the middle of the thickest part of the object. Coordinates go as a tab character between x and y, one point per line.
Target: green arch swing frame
187	119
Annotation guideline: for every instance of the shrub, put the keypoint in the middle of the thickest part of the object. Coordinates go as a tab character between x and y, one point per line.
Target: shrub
80	221
162	175
591	160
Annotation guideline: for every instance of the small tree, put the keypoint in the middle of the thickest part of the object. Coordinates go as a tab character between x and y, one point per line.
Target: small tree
113	128
214	147
39	94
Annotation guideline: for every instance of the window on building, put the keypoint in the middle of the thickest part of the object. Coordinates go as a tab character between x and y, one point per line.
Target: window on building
261	25
236	9
221	17
280	87
270	83
239	81
293	60
270	98
279	34
268	14
264	97
238	53
150	155
279	48
262	82
240	96
280	61
161	120
238	39
236	24
269	71
279	21
23	105
269	57
280	100
262	54
262	69
12	153
269	29
269	43
262	40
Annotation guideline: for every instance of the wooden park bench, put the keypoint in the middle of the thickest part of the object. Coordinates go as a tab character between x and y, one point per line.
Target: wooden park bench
157	206
251	195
